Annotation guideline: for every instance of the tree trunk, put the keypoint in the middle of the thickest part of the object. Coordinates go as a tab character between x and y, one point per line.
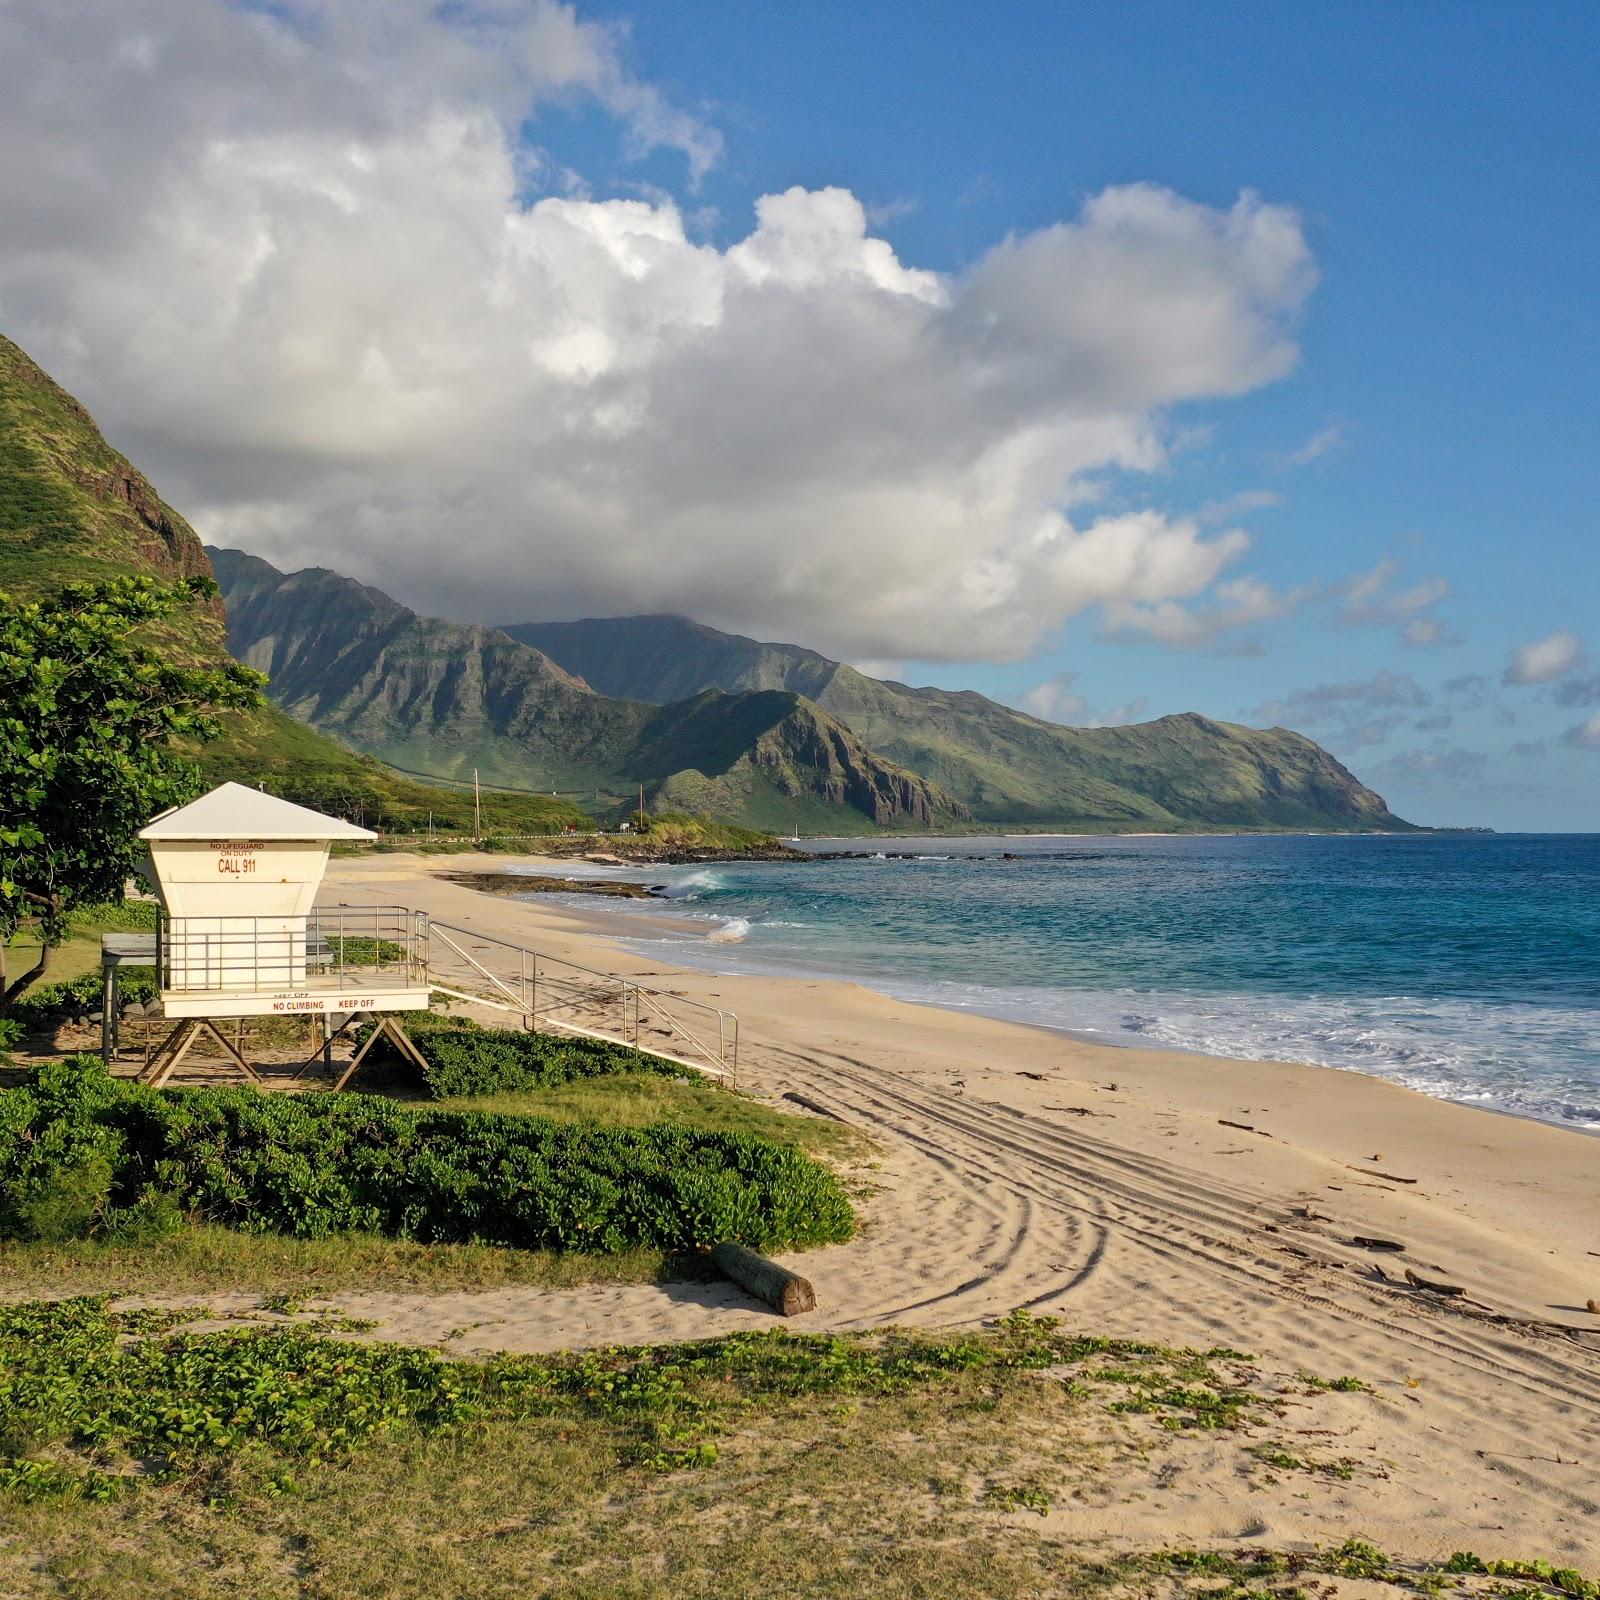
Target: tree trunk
10	989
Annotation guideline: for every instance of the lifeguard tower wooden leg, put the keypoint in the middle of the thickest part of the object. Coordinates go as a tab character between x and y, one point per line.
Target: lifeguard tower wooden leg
154	1059
176	1048
108	1010
228	1045
170	1052
397	1036
323	1055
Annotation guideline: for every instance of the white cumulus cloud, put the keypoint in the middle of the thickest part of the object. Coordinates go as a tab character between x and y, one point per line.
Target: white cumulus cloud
310	268
1545	660
1055	700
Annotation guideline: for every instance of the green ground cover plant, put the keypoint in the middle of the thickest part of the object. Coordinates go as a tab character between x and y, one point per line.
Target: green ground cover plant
48	1004
201	1258
125	1392
145	1460
465	1059
83	1154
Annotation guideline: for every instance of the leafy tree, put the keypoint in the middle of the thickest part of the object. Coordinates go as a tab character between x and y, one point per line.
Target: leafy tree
89	712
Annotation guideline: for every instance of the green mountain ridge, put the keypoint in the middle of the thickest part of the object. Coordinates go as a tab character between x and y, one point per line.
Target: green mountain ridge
1180	772
770	735
447	697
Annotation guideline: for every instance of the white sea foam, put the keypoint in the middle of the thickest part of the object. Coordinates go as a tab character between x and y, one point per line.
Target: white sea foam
730	932
691	886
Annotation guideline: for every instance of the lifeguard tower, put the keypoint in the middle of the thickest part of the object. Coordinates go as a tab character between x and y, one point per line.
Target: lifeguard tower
238	932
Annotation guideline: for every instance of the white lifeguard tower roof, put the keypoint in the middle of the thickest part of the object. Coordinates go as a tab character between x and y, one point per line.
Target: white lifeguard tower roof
235	811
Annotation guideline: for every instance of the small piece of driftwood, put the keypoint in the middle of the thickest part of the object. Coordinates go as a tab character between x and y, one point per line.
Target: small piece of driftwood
1078	1111
786	1292
1372	1172
1377	1244
1418	1282
1244	1127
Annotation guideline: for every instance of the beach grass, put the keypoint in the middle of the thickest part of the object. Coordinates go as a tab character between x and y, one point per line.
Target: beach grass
204	1259
640	1099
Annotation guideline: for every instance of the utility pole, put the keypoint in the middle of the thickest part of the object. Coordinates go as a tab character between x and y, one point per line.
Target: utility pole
477	809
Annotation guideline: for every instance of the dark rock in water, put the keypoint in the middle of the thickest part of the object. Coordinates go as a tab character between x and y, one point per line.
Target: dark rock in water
528	883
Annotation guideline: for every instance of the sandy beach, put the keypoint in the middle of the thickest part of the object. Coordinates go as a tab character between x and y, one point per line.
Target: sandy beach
1177	1198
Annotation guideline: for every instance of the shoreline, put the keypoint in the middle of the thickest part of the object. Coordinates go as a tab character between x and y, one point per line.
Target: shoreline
1317	1115
1093	1016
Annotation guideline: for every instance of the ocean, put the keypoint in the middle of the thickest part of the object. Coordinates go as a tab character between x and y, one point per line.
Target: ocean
1464	966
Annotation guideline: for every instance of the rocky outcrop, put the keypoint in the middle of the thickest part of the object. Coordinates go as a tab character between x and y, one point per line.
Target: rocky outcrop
812	752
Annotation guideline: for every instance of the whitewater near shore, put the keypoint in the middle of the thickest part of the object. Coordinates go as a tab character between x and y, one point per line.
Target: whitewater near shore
1164	1196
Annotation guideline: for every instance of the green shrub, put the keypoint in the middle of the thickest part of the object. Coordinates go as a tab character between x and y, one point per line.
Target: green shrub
465	1059
319	1164
47	1004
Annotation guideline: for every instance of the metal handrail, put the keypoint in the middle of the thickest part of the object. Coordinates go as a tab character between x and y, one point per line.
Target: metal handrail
660	1003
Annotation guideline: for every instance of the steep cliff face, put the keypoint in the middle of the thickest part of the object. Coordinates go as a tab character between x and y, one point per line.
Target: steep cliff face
1006	767
72	507
842	770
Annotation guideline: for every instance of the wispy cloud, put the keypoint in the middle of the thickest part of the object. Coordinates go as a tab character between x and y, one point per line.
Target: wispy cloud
1236	605
881	213
1578	691
1323	442
1433	768
1345	703
1237	505
1055	700
1377	598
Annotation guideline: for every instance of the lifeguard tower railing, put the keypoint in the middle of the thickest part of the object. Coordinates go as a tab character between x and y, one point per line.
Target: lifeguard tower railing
547	992
340	949
306	963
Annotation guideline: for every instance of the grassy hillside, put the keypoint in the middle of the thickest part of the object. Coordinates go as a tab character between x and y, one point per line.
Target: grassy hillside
73	510
1009	768
445	698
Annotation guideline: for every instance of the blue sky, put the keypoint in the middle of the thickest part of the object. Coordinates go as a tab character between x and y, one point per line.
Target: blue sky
1446	160
1113	360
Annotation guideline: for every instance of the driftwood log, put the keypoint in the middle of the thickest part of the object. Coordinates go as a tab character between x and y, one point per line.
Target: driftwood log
785	1291
1417	1281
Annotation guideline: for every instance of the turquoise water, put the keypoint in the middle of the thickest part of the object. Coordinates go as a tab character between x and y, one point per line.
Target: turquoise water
1466	966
